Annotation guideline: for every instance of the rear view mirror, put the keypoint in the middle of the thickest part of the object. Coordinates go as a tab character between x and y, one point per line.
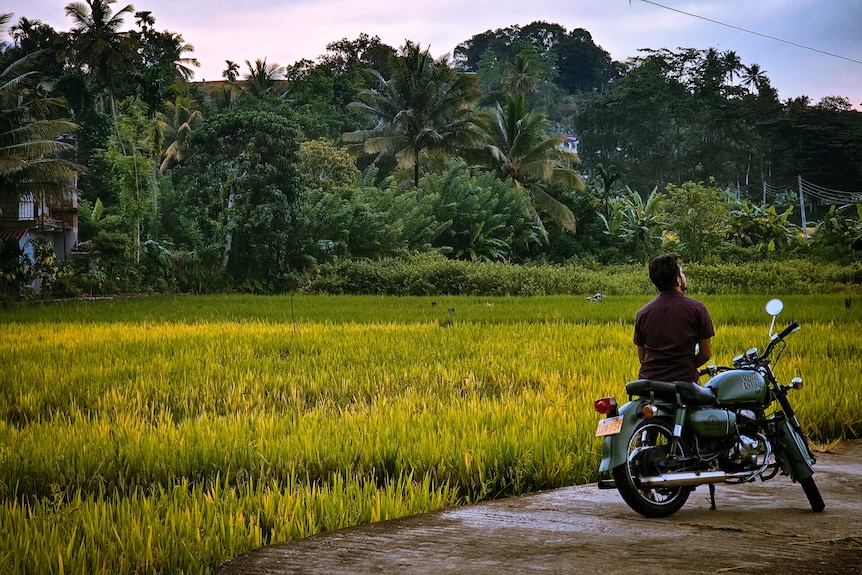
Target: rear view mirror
774	307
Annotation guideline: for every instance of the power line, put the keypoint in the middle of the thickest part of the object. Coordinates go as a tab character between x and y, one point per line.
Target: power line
829	195
752	32
813	190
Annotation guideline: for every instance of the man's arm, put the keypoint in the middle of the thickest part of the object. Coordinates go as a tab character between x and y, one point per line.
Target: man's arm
641	353
704	352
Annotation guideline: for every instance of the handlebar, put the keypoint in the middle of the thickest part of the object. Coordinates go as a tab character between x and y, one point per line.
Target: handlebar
713	370
779	337
751	358
794	325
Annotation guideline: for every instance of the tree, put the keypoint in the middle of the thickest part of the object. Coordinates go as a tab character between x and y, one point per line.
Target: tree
34	36
578	63
674	116
762	228
30	124
423	106
238	191
698	216
482	217
753	77
522	76
262	78
325	167
635	223
132	171
489	70
175	124
345	213
321	91
98	45
839	235
165	69
582	65
515	142
347	61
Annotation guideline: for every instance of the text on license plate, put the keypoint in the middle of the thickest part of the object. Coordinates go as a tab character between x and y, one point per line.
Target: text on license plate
610	426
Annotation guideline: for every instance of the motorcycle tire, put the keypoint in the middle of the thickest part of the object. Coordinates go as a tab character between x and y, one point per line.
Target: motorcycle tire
647	449
813	494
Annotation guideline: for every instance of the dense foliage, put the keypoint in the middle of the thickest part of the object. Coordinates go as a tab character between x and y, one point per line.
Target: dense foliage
530	145
430	274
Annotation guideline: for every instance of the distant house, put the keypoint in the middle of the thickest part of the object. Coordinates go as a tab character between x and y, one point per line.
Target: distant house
55	219
570	143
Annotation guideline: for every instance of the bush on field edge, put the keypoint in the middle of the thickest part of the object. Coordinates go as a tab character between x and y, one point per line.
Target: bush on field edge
433	274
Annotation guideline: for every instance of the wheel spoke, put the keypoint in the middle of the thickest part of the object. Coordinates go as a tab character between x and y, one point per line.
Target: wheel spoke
648	451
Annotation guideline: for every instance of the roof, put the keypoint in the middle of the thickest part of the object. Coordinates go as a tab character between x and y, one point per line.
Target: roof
16	233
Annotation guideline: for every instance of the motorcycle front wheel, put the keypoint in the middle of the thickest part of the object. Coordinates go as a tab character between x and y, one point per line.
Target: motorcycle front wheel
813	494
647	455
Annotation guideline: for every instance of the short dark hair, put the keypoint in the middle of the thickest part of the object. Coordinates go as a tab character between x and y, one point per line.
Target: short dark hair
663	271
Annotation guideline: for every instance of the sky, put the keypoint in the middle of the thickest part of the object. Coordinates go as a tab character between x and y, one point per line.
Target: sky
806	47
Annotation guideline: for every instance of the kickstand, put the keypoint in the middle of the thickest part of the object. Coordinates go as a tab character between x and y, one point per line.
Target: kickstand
712	497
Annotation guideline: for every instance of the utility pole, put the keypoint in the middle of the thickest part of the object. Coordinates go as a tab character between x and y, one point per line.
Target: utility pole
802	209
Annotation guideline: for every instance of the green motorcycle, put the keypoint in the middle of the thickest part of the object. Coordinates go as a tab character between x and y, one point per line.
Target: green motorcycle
671	437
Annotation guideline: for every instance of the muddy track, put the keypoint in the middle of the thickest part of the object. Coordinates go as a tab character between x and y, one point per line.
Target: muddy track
757	529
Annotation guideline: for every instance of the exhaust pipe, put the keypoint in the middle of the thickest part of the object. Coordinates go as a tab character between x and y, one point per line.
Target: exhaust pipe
683	479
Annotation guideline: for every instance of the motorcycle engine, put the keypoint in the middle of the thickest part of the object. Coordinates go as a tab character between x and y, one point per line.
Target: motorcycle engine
744	452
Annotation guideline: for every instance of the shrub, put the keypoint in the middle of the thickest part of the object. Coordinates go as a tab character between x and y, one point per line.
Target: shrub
433	274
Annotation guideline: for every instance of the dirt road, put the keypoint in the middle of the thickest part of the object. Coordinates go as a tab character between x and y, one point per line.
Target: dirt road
758	529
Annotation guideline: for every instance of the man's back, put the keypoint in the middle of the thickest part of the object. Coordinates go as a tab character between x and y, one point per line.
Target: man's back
668	328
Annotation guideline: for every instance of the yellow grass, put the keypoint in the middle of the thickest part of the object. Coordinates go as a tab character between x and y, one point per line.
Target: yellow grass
153	446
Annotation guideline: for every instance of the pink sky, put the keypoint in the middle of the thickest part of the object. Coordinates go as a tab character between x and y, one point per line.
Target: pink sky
284	31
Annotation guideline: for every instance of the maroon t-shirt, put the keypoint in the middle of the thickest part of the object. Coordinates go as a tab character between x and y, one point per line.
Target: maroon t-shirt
669	327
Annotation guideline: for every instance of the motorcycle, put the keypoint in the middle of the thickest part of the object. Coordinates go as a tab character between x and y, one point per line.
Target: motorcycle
671	437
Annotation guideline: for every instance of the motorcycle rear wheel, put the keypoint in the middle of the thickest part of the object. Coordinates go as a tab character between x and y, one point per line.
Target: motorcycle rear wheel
648	450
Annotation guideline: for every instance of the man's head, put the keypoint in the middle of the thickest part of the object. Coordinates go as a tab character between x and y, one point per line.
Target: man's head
666	273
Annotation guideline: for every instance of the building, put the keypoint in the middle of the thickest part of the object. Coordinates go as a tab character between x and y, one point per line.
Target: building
53	218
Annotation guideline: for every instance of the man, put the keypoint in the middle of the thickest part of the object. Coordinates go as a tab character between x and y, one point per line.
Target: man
668	328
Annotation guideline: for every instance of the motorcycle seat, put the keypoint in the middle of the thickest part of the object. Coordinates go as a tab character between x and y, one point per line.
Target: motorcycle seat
689	392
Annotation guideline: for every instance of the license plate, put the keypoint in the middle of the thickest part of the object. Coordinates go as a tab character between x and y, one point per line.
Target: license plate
610	426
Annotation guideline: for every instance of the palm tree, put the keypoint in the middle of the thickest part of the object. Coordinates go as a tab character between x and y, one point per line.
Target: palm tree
515	142
262	78
164	62
753	77
32	35
183	64
29	129
231	71
425	105
99	46
175	124
732	64
522	76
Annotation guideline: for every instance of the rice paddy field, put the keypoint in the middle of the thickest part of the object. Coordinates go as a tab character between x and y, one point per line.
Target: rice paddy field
168	435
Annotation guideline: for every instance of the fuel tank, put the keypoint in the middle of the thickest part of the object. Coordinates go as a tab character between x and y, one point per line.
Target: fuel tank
738	386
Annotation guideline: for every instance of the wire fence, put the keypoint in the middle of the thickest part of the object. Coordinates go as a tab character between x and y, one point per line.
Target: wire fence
838	198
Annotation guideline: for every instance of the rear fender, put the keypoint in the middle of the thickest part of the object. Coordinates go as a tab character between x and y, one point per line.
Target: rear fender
615	447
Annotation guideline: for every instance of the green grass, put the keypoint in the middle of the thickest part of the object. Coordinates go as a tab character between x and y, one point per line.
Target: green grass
287	310
169	434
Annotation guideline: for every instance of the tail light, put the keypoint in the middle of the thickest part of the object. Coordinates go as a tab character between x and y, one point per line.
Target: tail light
606	406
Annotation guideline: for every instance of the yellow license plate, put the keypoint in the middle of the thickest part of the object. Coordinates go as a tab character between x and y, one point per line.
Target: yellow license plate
610	426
